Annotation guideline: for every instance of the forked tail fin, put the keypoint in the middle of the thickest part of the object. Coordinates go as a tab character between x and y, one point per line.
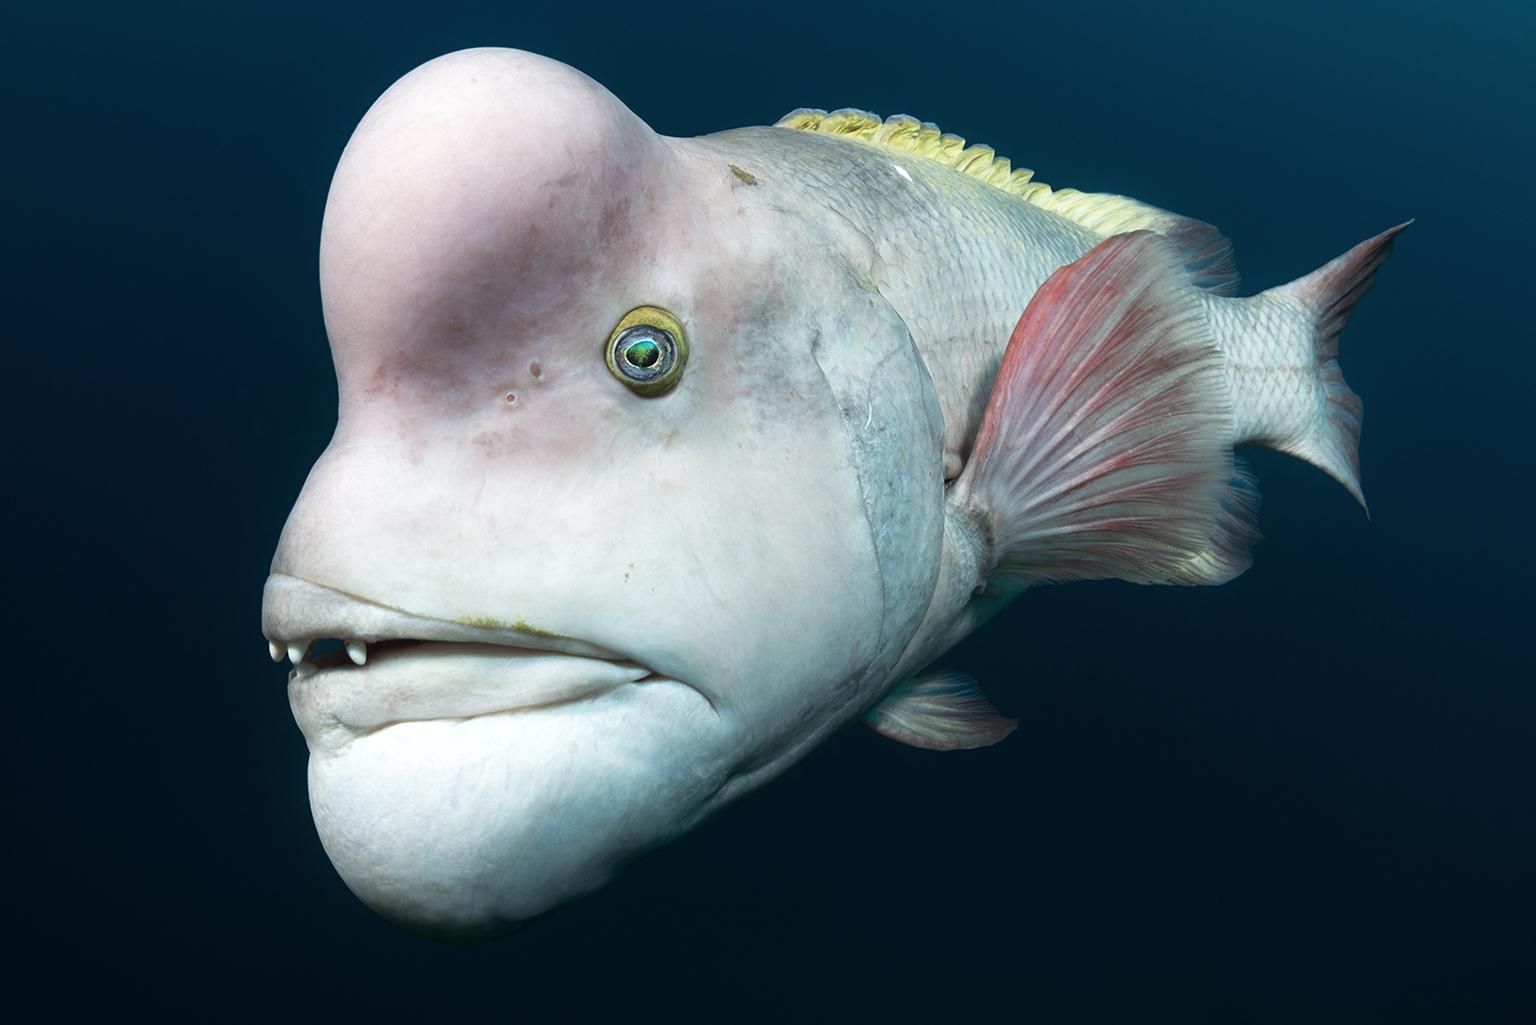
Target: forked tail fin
1327	296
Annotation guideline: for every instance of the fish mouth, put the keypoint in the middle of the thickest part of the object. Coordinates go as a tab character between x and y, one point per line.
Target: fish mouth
389	666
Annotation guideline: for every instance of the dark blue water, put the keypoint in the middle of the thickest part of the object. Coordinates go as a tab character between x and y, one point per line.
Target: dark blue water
1307	795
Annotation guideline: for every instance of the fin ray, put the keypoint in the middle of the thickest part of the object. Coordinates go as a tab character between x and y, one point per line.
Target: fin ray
1234	532
1328	296
940	711
1104	449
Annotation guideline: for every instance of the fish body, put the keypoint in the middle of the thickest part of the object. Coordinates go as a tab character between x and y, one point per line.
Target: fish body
658	460
955	239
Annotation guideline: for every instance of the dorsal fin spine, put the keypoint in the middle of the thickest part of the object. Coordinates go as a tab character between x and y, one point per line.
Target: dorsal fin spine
1208	255
922	138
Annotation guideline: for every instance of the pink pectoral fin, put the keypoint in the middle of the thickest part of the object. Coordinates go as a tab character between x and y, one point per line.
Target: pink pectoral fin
1103	452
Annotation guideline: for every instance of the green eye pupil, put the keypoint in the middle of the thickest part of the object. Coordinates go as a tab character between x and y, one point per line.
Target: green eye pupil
643	353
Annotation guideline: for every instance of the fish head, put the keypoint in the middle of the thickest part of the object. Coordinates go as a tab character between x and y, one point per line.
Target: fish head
633	495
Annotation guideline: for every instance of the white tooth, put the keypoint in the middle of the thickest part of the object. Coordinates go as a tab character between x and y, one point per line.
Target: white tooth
303	669
296	652
275	650
357	651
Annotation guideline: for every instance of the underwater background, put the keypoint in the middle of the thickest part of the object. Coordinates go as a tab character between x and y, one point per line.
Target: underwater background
1309	795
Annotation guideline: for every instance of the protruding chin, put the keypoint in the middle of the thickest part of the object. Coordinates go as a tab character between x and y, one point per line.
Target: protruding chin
461	828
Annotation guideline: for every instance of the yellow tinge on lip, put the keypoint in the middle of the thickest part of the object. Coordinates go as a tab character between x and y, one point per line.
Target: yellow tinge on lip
519	625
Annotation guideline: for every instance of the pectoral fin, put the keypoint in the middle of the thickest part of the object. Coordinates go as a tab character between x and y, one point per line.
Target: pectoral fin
1105	450
940	711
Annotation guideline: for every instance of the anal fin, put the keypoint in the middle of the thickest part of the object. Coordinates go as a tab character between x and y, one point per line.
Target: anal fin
940	711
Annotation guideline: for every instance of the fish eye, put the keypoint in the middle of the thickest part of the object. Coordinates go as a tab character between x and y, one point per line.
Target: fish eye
647	350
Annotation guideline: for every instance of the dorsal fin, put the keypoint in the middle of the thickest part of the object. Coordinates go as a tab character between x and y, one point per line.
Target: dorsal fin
1206	254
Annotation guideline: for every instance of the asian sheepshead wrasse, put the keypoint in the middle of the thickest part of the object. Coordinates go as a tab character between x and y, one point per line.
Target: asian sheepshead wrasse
658	460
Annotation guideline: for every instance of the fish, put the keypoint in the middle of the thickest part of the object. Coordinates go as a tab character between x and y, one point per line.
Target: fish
659	460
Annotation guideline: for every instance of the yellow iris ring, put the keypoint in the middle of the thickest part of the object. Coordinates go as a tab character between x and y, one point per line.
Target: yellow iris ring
651	316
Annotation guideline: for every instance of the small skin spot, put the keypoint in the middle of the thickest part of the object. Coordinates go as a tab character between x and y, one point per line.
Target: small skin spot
536	369
745	177
511	398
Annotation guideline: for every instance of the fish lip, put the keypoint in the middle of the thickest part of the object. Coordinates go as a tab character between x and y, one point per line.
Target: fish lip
296	609
340	695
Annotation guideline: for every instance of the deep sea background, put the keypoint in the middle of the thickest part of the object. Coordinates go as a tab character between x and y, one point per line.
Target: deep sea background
1309	795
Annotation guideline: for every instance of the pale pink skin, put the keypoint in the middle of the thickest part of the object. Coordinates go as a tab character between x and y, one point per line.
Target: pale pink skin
497	212
755	557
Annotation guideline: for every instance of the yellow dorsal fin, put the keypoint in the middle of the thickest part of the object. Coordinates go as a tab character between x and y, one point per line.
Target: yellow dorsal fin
1208	256
920	138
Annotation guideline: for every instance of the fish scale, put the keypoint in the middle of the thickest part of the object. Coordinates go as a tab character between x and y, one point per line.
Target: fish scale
1270	367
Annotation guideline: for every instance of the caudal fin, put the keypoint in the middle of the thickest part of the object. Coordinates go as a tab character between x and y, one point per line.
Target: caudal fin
1327	296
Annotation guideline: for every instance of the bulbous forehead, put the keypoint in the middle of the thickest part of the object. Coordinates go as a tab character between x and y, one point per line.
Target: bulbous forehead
483	177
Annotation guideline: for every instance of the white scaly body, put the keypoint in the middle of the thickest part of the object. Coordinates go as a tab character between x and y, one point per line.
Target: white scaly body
580	615
958	243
